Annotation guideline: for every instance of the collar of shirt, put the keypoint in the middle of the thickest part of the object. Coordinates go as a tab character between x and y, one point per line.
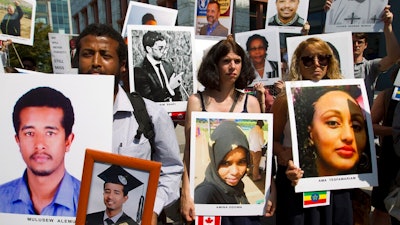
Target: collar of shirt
152	60
362	61
65	191
65	195
211	28
114	218
288	23
121	102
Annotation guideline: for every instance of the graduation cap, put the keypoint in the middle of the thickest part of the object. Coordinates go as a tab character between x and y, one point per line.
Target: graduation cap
117	175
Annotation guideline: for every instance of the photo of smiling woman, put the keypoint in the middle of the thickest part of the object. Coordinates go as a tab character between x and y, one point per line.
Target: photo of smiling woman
331	131
229	159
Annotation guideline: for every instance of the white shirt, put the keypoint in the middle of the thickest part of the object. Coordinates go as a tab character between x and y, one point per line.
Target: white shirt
167	148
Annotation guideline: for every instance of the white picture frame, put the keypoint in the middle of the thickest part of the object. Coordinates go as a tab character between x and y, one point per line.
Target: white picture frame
180	41
355	16
92	127
364	173
256	192
341	41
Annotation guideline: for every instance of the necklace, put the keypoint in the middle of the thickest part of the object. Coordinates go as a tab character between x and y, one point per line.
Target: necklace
260	68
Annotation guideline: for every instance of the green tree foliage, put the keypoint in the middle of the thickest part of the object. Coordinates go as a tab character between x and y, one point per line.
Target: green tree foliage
39	51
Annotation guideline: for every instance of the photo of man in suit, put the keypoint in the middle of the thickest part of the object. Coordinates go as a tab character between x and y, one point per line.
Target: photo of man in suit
155	78
117	183
73	53
213	26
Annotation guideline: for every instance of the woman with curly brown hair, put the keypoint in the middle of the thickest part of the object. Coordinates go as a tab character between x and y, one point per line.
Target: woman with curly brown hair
224	72
312	60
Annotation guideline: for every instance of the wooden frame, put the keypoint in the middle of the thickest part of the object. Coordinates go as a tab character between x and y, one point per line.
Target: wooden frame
95	162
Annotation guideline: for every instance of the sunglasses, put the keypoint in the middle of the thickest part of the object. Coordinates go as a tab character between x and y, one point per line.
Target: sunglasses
323	60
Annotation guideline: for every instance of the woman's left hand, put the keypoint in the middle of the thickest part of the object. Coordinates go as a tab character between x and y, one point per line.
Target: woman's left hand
293	173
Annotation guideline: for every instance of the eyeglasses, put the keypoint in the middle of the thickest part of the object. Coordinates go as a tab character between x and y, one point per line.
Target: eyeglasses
323	60
160	48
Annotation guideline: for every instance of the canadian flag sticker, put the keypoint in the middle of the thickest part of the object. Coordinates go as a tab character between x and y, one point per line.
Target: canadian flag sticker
208	220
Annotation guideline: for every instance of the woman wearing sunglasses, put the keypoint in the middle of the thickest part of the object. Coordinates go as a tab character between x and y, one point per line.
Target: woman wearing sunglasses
312	60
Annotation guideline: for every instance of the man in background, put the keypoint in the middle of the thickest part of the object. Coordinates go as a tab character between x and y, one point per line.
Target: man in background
29	63
371	69
102	50
73	53
213	26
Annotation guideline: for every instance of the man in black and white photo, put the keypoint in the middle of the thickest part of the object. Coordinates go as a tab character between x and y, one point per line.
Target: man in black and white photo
155	78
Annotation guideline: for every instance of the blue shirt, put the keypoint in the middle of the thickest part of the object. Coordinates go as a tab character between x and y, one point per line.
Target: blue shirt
15	197
167	149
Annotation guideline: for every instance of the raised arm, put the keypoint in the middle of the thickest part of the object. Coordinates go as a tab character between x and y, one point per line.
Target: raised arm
392	45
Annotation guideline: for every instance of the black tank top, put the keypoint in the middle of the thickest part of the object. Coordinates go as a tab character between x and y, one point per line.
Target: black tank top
203	107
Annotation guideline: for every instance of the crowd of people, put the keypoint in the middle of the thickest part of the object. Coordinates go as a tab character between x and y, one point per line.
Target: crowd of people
225	71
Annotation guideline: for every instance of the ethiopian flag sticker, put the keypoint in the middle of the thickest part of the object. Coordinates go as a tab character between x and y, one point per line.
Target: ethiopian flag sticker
316	198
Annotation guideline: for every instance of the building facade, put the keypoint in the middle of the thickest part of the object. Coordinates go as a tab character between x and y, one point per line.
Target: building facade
56	13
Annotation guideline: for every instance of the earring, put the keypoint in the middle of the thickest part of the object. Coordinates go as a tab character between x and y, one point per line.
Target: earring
314	155
364	162
310	142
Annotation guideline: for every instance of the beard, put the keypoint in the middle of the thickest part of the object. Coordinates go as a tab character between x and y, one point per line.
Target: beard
41	173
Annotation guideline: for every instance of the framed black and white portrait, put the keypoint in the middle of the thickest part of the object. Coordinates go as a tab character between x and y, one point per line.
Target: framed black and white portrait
161	64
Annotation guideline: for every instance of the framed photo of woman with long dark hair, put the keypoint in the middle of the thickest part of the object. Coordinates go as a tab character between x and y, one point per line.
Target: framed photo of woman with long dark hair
331	128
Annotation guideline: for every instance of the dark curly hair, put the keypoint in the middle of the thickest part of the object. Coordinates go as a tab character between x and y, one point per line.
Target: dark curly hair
45	97
105	30
150	38
255	37
208	74
303	103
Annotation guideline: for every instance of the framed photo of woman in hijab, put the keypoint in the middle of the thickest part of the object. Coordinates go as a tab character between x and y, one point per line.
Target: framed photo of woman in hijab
221	169
331	128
